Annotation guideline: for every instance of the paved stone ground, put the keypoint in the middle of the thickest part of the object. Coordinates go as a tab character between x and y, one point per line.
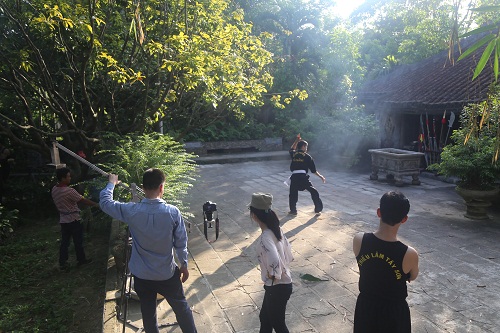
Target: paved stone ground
456	291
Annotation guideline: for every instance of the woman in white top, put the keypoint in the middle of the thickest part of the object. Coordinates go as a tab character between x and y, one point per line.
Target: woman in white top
275	254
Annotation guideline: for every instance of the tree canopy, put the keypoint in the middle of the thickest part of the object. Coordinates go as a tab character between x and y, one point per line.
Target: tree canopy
76	69
73	69
398	32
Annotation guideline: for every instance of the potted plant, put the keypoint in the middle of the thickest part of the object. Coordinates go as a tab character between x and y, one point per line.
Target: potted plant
472	155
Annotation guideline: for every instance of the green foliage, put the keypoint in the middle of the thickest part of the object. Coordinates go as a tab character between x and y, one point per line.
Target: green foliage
72	69
312	51
36	295
409	31
297	41
346	134
491	40
8	218
246	129
471	156
289	127
341	73
129	156
471	162
33	192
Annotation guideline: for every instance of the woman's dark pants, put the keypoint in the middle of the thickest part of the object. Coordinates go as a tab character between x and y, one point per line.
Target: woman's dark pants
272	313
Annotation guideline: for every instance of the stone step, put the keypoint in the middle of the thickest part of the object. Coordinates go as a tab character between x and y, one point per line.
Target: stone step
243	157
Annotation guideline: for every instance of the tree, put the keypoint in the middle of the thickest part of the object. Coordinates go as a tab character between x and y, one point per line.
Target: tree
297	43
397	32
341	72
72	69
488	19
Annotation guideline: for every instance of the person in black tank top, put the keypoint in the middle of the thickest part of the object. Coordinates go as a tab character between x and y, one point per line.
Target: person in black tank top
385	265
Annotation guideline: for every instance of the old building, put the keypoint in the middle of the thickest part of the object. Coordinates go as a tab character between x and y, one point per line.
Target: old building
412	99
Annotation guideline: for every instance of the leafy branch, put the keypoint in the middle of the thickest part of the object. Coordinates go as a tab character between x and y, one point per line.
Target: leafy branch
491	40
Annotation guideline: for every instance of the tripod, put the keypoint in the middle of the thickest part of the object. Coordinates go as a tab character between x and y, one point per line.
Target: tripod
126	288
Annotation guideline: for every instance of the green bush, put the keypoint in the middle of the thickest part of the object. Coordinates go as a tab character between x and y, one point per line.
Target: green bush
8	218
129	156
471	155
246	129
32	192
470	162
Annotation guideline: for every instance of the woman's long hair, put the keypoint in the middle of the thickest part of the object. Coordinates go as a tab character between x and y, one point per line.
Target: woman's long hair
270	219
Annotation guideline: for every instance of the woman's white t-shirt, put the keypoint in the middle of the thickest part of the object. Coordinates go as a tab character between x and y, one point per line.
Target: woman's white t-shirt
274	258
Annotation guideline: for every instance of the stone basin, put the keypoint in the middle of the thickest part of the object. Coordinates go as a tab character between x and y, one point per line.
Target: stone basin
396	163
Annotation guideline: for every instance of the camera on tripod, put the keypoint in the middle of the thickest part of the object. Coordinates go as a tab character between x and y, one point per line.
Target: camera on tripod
210	215
208	209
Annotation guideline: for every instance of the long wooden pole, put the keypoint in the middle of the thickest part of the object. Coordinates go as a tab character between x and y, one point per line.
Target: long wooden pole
55	161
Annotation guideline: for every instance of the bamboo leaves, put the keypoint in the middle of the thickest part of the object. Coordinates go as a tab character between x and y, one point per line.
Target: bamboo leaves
484	58
492	40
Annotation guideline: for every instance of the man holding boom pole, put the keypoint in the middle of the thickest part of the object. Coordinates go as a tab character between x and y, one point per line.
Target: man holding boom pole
157	230
66	200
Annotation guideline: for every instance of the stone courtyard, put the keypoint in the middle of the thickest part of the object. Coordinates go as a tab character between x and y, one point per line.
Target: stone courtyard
457	289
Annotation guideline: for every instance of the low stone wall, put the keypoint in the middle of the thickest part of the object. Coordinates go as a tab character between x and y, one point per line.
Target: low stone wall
220	147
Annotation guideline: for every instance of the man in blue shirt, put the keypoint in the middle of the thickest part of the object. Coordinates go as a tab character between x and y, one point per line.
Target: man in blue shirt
157	229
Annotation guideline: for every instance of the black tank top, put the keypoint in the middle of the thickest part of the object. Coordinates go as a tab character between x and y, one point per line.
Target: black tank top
381	269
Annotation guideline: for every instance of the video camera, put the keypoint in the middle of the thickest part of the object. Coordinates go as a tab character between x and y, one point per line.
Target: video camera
209	210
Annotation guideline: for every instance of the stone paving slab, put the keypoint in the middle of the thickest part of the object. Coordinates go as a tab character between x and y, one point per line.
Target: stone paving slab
456	291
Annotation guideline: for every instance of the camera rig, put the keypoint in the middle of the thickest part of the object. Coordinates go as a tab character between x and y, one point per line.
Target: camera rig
210	217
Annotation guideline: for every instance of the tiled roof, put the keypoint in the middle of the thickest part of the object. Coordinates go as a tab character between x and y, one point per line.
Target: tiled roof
433	82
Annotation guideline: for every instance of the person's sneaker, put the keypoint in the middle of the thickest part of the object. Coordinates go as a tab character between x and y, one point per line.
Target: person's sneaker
292	212
318	213
86	261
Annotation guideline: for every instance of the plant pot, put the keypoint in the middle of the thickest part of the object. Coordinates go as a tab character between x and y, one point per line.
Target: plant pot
477	202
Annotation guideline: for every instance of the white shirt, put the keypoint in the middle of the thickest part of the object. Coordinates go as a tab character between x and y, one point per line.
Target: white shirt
274	258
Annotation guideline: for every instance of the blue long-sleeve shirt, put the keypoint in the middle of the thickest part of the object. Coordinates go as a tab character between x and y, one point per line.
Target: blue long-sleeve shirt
157	229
